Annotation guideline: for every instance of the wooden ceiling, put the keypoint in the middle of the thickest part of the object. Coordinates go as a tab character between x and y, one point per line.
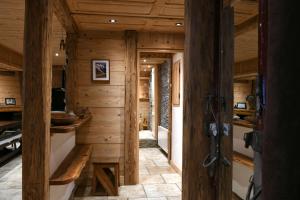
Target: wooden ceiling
140	15
12	29
158	15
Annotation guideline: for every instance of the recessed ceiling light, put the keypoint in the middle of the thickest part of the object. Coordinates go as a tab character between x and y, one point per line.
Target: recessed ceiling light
179	24
149	66
56	54
144	60
112	21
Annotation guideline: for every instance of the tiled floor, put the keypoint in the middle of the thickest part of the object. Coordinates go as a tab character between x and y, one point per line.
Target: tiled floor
146	135
11	180
158	181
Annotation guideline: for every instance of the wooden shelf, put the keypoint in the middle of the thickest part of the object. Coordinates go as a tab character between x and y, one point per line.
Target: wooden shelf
242	159
144	99
243	123
144	78
11	108
72	166
70	128
9	124
244	112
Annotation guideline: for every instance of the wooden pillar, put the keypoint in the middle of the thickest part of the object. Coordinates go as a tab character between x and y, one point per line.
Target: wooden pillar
37	99
71	71
203	77
282	124
226	113
131	117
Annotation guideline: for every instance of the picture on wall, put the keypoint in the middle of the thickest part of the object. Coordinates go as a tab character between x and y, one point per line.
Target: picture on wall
10	101
101	70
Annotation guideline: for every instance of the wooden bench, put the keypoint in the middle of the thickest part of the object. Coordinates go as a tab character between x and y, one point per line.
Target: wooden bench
106	179
242	159
72	166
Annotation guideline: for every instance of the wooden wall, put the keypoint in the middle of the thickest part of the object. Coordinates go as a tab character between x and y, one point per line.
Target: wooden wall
10	86
106	101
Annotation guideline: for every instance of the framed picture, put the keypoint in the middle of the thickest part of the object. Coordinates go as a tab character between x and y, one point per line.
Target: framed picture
101	70
10	101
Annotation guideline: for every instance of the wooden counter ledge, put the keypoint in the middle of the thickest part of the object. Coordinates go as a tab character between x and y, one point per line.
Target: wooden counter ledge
69	128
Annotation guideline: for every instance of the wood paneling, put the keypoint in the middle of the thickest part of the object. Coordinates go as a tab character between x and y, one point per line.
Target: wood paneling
246	67
131	103
105	131
10	87
37	98
141	15
10	58
12	29
246	46
166	41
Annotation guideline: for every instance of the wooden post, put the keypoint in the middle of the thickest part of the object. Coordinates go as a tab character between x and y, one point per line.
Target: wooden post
71	71
280	147
203	77
37	99
226	92
131	117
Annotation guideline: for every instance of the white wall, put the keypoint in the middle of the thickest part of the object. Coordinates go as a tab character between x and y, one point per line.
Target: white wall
177	120
61	145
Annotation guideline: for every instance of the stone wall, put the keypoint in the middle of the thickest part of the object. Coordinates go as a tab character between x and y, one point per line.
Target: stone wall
164	84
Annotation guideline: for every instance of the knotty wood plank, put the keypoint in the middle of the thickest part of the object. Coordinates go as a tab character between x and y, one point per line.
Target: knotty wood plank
226	112
63	15
71	72
131	102
72	166
198	77
11	109
248	25
37	74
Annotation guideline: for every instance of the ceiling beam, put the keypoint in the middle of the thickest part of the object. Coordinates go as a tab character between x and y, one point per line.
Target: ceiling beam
248	25
10	59
63	14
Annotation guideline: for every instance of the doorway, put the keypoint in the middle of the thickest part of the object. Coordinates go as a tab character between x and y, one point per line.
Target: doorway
160	77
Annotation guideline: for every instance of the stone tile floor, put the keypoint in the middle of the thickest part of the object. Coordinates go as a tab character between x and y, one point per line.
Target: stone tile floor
11	180
146	135
158	181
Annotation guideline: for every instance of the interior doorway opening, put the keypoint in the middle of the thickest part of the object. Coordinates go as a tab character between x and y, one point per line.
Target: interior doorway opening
160	158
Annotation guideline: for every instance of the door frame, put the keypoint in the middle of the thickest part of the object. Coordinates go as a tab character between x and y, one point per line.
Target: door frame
139	51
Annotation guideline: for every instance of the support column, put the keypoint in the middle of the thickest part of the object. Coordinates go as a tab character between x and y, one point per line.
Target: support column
204	77
282	124
131	117
226	92
37	99
71	71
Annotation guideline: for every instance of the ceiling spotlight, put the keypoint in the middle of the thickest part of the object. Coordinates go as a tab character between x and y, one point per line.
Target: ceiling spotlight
179	24
144	60
56	54
149	66
112	21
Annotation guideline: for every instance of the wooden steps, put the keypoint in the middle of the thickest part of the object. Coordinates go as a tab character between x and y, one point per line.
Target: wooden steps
72	166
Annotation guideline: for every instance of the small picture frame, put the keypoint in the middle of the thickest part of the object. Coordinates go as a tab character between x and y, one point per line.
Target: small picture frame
10	101
100	70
